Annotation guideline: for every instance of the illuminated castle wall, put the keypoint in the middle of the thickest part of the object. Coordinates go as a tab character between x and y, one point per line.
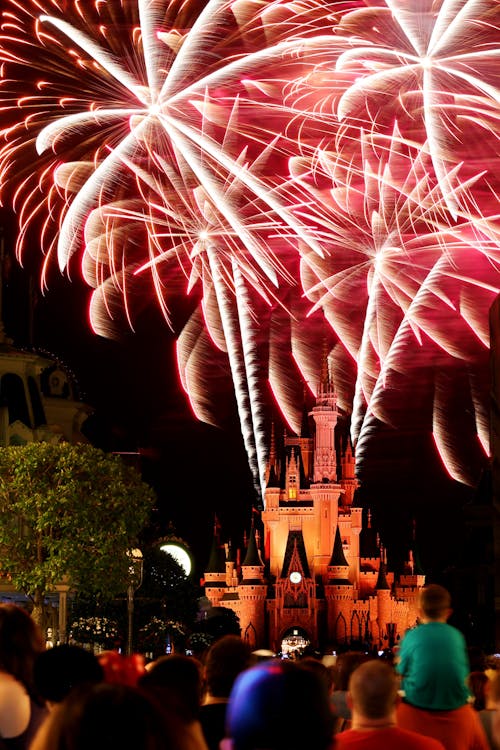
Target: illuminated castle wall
319	571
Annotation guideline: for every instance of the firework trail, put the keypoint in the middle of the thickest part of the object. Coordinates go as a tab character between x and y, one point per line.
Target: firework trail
405	195
285	163
408	289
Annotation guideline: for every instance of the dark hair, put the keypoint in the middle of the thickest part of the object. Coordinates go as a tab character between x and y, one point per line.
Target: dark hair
324	673
176	680
279	706
58	670
20	643
225	659
373	687
104	716
434	601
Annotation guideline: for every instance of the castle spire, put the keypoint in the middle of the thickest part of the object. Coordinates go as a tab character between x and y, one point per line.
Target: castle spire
305	431
272	446
414	552
325	415
338	557
272	463
252	556
382	584
324	381
217	559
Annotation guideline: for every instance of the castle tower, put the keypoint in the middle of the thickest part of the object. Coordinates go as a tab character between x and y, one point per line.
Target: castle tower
215	574
384	603
325	415
252	594
339	593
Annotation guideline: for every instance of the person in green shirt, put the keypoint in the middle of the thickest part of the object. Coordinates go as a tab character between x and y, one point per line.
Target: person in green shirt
432	659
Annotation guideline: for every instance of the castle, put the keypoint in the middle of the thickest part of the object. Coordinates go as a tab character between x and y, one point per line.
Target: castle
314	571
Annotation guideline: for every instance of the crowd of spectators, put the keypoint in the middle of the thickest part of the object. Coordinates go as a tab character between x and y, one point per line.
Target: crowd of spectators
428	698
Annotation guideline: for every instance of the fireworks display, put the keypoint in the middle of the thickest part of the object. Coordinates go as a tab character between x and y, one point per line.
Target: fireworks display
306	172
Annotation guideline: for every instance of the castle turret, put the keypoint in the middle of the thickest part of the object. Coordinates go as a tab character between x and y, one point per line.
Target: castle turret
292	479
272	472
252	594
411	582
231	570
339	590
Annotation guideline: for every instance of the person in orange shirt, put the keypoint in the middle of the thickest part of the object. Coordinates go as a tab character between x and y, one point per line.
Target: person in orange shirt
373	697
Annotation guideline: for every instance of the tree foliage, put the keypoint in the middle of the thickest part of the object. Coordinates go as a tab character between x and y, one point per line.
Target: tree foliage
68	513
166	603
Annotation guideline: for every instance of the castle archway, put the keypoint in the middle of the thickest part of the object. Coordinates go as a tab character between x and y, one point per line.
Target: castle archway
250	636
294	639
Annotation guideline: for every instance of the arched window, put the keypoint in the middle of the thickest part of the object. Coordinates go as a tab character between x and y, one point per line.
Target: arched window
341	629
12	394
355	627
250	636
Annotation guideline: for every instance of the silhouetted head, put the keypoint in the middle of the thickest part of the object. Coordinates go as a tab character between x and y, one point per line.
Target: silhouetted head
105	716
435	602
60	669
226	658
20	643
176	680
324	673
373	690
277	705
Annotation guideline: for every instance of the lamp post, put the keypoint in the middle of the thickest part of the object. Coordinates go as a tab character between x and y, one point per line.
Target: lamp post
135	580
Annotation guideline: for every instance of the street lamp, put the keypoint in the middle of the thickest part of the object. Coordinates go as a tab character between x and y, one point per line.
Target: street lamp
135	570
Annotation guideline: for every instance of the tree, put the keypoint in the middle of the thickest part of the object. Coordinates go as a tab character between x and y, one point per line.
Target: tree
167	602
68	513
97	620
219	622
